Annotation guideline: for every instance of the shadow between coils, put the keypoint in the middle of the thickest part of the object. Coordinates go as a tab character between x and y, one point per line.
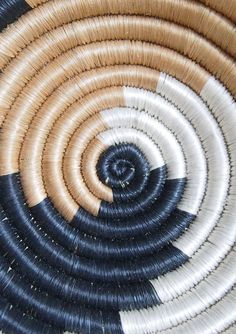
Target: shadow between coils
132	270
112	296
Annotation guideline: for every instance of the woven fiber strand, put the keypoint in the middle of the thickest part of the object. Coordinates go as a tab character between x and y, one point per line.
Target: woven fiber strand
117	166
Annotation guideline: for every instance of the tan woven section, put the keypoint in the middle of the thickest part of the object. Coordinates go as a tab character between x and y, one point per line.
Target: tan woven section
117	166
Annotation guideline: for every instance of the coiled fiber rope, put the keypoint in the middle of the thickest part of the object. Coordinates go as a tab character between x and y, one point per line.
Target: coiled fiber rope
117	166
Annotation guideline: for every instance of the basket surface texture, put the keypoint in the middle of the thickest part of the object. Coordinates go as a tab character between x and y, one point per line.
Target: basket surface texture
117	166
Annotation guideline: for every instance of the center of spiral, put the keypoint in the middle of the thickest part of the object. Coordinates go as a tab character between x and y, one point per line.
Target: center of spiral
125	169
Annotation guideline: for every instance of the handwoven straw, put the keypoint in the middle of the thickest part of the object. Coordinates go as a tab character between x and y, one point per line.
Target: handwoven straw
117	166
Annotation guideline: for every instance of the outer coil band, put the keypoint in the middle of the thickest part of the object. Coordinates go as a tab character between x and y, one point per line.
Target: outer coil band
117	166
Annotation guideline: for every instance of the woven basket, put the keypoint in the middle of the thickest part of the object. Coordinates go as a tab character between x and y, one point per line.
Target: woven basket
117	166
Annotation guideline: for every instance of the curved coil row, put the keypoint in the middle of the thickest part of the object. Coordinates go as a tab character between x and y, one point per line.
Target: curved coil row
117	166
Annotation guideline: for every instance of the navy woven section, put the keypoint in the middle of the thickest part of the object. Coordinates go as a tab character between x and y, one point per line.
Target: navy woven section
11	10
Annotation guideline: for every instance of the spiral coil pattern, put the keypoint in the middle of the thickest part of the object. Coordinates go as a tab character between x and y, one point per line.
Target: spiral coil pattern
117	166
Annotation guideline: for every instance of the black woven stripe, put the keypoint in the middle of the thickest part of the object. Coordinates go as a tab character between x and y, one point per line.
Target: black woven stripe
141	203
11	10
100	248
67	316
89	269
88	246
58	284
132	226
12	321
52	310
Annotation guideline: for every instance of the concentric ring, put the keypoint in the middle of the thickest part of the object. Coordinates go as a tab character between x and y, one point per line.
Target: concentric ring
117	166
